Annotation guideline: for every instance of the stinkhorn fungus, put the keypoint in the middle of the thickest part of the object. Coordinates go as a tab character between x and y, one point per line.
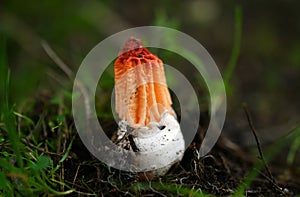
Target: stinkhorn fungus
143	105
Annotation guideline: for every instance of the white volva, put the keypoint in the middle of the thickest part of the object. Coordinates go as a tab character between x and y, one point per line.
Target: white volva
159	146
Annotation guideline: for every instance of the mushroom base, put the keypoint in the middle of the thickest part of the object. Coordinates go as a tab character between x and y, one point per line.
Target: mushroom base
155	148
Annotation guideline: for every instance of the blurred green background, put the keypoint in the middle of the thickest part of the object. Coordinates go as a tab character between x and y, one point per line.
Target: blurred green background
267	74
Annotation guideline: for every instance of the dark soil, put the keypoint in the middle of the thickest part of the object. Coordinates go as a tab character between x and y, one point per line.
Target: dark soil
220	173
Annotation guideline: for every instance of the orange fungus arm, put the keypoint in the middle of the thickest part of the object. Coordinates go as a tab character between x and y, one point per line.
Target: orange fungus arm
141	91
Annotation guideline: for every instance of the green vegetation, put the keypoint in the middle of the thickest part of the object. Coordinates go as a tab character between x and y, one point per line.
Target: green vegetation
24	170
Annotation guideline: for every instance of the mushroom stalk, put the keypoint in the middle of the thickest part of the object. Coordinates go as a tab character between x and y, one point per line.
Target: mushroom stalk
143	104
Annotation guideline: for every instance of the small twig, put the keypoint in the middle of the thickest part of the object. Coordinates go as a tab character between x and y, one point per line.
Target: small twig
225	163
57	77
56	59
270	176
21	176
155	191
245	107
75	177
77	186
270	180
45	133
40	149
61	141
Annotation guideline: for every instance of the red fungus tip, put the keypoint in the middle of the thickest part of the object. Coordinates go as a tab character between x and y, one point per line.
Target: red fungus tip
133	48
132	44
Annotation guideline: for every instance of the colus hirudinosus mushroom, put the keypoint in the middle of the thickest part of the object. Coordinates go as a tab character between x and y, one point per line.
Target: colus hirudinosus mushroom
144	108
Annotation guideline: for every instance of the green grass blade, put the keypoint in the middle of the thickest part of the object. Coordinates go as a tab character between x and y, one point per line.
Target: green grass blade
294	148
7	115
42	163
170	188
236	45
67	151
3	181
